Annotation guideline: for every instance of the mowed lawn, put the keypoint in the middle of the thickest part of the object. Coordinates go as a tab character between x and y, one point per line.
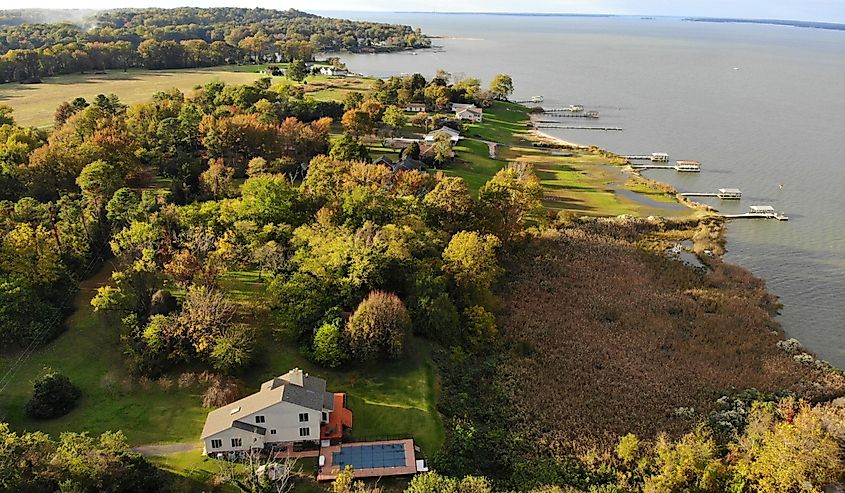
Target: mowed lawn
89	353
392	399
503	123
34	104
584	182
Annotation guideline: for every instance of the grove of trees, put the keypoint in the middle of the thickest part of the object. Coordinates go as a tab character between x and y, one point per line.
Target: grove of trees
183	37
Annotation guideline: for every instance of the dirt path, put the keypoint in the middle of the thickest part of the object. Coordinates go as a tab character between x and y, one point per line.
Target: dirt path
166	448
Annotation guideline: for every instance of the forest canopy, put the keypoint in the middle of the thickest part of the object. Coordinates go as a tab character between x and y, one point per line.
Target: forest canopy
184	37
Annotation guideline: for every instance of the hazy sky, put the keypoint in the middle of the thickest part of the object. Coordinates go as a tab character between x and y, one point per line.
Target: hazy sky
819	10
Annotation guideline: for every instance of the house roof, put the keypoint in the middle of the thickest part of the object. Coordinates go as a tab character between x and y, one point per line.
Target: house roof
449	130
461	106
383	160
407	164
294	387
477	111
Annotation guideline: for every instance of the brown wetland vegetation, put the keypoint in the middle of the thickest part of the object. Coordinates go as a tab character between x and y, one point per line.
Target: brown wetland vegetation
612	339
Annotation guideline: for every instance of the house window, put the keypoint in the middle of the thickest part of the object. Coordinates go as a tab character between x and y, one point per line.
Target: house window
325	417
273	431
236	443
303	417
304	432
259	419
216	443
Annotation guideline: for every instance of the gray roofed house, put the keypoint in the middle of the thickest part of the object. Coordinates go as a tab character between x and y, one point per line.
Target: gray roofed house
408	164
453	134
294	407
384	160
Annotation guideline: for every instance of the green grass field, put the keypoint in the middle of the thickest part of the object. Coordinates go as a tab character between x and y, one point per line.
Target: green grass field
504	123
34	104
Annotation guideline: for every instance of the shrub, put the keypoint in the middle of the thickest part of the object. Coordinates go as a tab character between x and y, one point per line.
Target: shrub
166	383
187	380
53	396
378	327
480	326
162	303
233	349
328	347
222	391
436	318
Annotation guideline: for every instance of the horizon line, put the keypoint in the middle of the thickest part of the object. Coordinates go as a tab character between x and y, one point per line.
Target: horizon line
693	17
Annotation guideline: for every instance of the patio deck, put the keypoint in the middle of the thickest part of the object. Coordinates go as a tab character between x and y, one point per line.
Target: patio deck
339	419
284	453
329	470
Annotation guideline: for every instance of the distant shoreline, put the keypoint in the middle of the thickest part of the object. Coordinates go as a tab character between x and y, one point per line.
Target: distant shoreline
775	22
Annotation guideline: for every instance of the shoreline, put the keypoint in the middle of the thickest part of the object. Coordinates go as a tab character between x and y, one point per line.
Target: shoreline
543	137
714	224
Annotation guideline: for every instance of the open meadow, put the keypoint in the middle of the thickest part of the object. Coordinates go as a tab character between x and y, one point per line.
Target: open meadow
34	104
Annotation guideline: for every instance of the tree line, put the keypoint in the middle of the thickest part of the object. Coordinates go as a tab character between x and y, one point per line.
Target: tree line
184	38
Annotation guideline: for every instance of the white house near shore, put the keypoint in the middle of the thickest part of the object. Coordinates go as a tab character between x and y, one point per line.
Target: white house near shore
334	71
292	408
453	134
416	107
473	114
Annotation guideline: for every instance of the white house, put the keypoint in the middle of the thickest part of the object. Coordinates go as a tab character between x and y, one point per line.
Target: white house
453	134
334	71
416	107
472	114
294	407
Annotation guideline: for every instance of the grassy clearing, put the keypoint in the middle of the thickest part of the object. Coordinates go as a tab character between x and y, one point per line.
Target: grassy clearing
474	164
390	399
325	88
88	352
192	472
504	123
34	104
588	183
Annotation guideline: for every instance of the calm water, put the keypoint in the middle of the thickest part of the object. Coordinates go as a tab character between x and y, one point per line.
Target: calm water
778	118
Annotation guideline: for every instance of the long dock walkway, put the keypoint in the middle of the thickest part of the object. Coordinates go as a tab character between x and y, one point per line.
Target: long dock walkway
652	166
589	114
578	127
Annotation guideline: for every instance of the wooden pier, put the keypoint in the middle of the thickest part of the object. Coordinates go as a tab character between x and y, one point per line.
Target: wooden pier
659	157
573	108
652	166
589	114
579	127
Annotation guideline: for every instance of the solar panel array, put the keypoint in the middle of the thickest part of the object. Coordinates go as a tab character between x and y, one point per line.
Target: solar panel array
370	456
